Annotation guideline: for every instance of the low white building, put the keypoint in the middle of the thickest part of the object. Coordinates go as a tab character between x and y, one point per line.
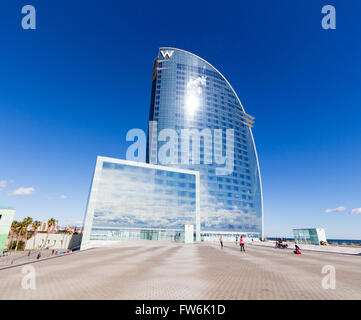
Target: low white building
54	241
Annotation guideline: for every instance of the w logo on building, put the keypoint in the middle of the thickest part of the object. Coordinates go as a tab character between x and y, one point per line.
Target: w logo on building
167	53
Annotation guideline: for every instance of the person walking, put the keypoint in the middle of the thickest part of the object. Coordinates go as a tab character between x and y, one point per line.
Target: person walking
241	244
221	242
236	239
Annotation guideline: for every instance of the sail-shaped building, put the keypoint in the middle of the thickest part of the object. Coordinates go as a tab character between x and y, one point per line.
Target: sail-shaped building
192	98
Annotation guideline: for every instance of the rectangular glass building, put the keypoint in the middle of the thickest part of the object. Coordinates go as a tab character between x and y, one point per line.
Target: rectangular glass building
132	200
6	219
309	235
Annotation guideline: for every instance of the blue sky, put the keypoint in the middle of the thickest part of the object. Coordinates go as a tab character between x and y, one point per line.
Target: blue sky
72	88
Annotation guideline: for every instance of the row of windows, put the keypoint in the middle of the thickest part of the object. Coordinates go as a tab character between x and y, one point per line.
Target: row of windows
211	108
209	150
236	139
232	103
175	183
213	191
233	204
210	114
193	122
180	193
199	70
209	95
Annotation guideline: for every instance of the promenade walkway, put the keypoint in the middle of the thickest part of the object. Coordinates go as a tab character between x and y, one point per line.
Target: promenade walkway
20	257
355	250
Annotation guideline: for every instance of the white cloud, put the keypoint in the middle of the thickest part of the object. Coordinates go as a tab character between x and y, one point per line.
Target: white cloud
355	211
23	191
62	197
338	209
3	184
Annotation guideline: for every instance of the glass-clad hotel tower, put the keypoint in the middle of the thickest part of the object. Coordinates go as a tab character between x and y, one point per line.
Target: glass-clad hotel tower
189	93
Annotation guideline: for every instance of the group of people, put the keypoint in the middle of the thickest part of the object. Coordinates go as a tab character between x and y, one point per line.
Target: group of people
241	243
278	243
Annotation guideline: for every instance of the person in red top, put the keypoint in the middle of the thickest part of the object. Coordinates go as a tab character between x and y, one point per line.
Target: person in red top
297	249
241	244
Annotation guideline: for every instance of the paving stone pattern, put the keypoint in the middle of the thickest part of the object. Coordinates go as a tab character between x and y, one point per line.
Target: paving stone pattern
164	270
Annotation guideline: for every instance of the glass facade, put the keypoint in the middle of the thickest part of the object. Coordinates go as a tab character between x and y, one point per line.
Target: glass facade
309	236
213	236
133	201
189	93
6	219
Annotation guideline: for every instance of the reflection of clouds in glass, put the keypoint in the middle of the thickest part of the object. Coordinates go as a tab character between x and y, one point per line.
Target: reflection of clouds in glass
193	95
215	217
197	84
136	198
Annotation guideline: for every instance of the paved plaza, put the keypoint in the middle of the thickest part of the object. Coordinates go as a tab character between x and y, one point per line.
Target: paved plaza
163	270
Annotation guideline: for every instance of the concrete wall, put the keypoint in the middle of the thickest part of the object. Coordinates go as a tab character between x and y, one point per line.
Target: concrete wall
54	241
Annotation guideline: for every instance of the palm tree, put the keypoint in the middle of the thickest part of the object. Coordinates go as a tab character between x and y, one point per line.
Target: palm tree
51	222
13	229
26	222
20	230
35	225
